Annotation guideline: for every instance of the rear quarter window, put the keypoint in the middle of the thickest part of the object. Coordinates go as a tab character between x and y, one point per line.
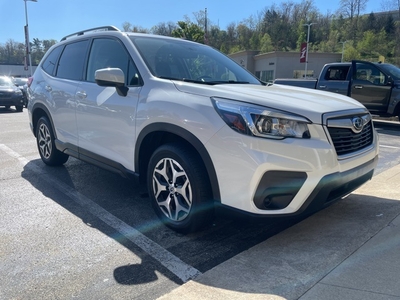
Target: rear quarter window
50	62
337	73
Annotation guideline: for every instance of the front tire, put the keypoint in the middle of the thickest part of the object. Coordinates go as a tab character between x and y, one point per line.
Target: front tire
179	188
46	146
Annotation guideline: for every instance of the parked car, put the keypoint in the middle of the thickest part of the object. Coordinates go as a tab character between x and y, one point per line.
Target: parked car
199	130
10	94
375	85
22	83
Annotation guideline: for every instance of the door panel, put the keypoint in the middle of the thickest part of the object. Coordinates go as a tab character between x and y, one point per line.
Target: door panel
61	89
370	86
106	120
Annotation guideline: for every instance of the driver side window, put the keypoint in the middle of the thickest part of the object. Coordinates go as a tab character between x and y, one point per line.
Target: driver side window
110	53
370	73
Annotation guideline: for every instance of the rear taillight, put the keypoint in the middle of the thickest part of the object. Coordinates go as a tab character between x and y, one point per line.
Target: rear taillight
30	80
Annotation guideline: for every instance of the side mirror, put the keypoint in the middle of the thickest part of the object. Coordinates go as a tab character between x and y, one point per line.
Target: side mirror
389	81
113	77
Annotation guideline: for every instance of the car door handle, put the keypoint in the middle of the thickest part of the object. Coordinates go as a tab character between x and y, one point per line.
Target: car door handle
358	86
322	86
81	94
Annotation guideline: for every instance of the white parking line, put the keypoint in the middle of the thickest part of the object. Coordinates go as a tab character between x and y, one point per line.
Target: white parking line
182	270
391	147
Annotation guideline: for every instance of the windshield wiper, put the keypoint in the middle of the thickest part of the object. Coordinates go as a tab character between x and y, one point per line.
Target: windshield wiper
229	82
205	82
196	81
214	82
184	79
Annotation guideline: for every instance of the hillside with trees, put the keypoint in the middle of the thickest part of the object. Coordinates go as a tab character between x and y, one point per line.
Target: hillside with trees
279	27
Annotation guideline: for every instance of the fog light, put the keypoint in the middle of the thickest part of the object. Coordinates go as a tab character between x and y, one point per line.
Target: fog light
278	201
277	189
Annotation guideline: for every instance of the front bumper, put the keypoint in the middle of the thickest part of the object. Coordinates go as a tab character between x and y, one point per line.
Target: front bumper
288	177
11	101
331	188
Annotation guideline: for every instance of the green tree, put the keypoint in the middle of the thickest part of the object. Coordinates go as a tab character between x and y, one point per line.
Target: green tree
244	36
351	53
47	44
266	44
12	52
189	31
373	45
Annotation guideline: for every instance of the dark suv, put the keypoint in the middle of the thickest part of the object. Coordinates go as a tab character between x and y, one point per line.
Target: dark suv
10	94
22	83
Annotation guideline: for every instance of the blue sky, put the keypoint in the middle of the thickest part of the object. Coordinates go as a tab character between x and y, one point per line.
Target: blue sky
53	19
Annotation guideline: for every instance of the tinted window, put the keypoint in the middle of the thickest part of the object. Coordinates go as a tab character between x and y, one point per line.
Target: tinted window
392	70
337	73
50	62
72	61
110	53
369	72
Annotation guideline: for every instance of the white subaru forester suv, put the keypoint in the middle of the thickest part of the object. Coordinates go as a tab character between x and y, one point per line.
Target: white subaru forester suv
198	129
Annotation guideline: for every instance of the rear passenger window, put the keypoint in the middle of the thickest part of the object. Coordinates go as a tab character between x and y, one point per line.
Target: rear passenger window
50	62
337	73
72	61
110	53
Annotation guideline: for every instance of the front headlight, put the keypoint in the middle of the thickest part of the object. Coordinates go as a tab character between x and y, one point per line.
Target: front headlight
260	121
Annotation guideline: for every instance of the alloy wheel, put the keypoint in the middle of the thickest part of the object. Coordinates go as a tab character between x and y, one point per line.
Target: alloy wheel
44	141
172	189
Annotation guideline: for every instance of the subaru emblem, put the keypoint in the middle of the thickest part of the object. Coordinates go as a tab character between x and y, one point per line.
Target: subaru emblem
358	124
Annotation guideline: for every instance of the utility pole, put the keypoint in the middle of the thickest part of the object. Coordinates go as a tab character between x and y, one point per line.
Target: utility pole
308	39
28	46
205	28
343	48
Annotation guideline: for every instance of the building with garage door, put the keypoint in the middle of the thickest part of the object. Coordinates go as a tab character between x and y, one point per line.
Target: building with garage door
280	64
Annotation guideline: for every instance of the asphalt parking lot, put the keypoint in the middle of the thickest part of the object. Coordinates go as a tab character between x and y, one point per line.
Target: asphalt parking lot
81	232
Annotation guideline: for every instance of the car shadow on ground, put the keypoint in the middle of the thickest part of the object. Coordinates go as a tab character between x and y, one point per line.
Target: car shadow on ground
129	203
329	235
10	110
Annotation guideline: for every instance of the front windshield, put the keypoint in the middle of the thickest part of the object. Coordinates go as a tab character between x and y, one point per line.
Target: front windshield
392	70
188	61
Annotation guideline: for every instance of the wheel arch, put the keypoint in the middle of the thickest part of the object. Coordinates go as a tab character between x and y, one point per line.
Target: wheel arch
38	111
157	134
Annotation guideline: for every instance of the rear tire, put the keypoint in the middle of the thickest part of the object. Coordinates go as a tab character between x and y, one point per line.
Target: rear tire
179	188
19	108
46	146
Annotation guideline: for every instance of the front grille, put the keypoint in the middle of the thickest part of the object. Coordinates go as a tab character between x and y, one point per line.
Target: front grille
346	141
5	95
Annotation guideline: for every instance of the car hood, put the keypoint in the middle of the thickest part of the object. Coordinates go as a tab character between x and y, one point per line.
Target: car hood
8	88
309	103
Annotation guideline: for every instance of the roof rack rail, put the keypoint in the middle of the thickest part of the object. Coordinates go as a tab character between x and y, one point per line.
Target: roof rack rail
101	28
